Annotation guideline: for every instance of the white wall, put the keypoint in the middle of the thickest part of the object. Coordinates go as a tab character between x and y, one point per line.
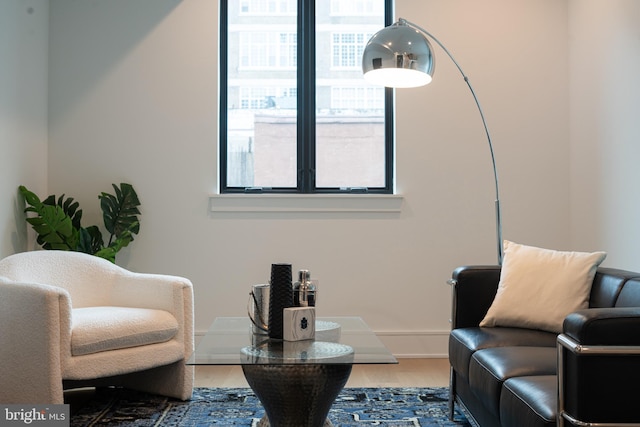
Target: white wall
133	97
605	129
23	114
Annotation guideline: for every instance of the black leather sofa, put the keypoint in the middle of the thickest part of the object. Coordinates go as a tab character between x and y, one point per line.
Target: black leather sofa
514	377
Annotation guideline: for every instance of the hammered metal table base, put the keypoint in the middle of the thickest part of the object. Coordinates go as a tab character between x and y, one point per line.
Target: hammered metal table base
297	395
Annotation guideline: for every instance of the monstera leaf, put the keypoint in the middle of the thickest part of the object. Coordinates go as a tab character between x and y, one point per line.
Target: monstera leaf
54	227
69	207
120	212
90	240
57	222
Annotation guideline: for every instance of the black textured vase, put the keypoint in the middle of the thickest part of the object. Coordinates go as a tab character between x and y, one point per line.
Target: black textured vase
280	297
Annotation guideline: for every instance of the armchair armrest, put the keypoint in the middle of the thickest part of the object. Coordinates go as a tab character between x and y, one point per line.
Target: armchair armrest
158	291
35	321
473	290
598	359
144	290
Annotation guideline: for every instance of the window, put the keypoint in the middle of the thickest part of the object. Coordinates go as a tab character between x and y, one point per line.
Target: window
357	98
267	50
347	49
259	98
267	7
296	114
357	7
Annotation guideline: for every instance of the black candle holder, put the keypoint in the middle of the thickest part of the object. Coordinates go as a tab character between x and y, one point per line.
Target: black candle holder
280	297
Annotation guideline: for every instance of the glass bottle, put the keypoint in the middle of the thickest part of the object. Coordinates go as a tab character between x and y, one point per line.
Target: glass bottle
304	292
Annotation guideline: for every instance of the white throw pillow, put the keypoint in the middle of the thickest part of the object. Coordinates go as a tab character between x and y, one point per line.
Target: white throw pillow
539	287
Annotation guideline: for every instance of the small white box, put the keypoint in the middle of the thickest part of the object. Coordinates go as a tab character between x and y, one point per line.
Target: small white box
299	323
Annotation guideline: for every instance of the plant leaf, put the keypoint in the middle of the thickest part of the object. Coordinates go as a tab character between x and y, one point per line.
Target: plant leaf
107	253
29	196
69	206
110	251
57	221
54	228
120	212
90	240
51	200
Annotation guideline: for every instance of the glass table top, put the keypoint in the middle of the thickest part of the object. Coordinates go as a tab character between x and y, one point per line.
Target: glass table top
338	340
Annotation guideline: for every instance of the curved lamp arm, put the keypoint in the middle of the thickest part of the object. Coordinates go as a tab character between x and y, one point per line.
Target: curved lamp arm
484	123
486	130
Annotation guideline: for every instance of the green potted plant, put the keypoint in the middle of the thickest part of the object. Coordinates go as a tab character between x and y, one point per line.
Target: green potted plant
57	222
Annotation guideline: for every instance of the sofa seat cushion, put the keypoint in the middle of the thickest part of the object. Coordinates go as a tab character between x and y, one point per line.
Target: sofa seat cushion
490	368
97	329
463	342
529	402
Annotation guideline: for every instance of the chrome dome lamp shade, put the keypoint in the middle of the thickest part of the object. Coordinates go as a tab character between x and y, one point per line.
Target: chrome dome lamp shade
398	56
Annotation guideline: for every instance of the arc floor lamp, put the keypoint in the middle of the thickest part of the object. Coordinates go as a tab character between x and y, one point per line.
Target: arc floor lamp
401	56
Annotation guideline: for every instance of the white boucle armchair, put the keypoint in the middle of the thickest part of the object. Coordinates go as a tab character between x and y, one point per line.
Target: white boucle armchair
69	319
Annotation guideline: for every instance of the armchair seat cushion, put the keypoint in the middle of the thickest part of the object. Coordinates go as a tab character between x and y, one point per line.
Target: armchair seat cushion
98	329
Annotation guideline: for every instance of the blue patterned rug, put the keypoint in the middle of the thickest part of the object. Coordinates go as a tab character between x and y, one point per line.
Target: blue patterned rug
357	407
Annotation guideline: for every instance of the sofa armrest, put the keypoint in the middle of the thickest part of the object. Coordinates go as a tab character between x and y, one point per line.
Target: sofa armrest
604	326
598	359
473	290
35	321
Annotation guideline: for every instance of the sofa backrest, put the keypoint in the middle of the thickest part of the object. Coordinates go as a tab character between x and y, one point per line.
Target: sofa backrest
630	294
609	288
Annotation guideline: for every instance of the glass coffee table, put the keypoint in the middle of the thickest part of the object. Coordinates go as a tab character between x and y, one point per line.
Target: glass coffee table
296	381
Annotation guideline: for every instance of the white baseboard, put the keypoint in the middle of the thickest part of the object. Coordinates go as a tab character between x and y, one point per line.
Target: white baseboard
405	344
416	344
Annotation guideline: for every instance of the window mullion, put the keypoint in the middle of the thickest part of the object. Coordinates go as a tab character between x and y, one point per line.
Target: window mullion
223	119
306	80
389	119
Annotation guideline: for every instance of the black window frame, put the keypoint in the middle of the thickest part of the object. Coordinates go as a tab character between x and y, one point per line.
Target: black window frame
306	119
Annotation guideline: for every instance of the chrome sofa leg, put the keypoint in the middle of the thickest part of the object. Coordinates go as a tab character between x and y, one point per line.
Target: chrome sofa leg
452	393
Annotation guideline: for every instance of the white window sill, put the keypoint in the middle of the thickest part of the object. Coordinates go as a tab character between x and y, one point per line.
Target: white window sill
384	204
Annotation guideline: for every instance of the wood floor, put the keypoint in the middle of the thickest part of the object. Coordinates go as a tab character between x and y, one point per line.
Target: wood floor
407	373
